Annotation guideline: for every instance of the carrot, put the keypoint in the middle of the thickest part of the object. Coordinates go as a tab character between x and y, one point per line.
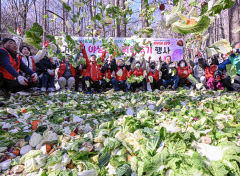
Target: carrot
24	111
73	134
10	157
48	148
35	124
130	157
16	152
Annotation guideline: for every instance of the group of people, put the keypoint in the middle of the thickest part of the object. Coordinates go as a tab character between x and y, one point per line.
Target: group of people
21	71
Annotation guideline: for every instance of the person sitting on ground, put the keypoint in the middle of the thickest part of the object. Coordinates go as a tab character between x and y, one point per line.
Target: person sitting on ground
138	69
10	66
184	71
80	75
199	74
106	71
46	71
93	75
120	73
169	73
235	60
66	75
213	81
29	60
154	74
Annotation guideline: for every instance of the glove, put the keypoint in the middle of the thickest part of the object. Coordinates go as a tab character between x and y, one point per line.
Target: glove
120	72
46	44
22	80
150	79
50	72
34	77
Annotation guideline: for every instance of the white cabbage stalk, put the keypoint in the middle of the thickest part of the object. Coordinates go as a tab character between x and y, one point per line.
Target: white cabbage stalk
111	170
87	172
213	153
171	127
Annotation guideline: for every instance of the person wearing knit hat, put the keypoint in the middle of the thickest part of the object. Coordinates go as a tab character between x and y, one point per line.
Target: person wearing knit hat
10	65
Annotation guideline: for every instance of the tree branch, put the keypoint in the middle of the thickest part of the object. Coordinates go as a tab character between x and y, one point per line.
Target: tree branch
55	14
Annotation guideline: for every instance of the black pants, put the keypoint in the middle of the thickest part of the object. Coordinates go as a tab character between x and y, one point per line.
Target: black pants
227	83
136	85
79	80
156	84
93	84
236	84
13	85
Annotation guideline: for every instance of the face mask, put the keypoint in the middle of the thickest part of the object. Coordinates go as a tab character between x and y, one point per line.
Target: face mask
182	64
152	66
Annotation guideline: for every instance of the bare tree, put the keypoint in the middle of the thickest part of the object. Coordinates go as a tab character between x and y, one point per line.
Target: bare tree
234	22
0	19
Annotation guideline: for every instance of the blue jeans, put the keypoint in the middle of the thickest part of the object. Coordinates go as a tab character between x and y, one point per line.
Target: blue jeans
47	80
119	85
174	80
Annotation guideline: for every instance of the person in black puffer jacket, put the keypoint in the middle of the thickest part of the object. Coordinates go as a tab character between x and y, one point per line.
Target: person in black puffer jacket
46	69
169	73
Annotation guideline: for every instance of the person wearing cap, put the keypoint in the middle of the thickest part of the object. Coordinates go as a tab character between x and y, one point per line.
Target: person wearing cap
66	75
93	72
154	74
169	73
120	73
46	69
10	66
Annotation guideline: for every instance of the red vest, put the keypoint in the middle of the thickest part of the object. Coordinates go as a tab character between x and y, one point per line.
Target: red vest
184	72
124	75
108	74
155	75
62	70
136	72
14	64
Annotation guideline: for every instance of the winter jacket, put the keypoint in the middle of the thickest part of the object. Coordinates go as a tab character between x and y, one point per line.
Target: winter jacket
155	75
198	72
223	65
209	71
31	61
106	67
11	64
167	70
43	65
235	60
62	69
136	72
93	69
184	72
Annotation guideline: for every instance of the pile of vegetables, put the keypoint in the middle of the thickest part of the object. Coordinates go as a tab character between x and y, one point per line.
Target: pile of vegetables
147	133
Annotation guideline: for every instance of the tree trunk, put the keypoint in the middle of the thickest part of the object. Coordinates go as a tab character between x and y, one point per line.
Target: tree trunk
234	22
0	19
64	19
144	4
123	21
117	29
222	28
35	11
44	21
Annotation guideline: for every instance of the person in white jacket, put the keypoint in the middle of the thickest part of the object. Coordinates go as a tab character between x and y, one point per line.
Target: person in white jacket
30	60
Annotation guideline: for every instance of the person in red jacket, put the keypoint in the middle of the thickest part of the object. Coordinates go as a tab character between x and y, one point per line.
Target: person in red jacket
183	71
10	66
212	83
154	74
138	71
93	72
66	75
